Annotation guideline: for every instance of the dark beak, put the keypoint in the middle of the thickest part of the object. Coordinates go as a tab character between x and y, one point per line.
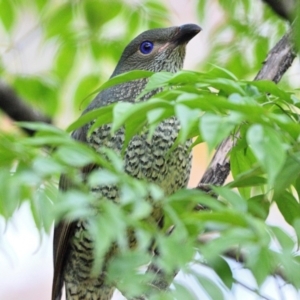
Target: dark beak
186	33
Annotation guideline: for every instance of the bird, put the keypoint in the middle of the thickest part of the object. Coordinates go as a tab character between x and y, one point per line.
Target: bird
156	50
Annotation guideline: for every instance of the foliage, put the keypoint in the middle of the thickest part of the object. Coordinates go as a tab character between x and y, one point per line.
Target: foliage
265	162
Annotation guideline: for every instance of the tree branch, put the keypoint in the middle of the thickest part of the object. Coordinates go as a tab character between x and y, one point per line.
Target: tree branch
276	64
18	110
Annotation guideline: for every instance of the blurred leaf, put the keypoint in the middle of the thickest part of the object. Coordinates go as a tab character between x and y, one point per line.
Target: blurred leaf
259	206
288	206
183	292
236	201
297	185
267	86
85	87
218	71
296	226
106	116
59	20
296	26
42	128
39	91
45	166
221	267
210	286
287	175
65	59
214	129
7	14
188	119
241	161
98	14
268	148
41	4
122	269
76	157
157	14
284	239
261	262
9	194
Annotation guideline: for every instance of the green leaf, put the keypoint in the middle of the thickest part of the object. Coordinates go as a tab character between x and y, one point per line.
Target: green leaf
227	86
59	20
173	256
267	86
41	4
247	180
296	226
286	242
112	225
242	163
259	206
104	112
157	80
41	128
39	91
226	217
10	193
65	59
288	174
182	292
218	71
214	129
188	118
84	88
291	267
223	270
7	14
73	157
268	148
296	24
72	205
288	206
184	77
210	286
123	270
236	201
121	112
46	166
97	13
261	263
102	177
134	116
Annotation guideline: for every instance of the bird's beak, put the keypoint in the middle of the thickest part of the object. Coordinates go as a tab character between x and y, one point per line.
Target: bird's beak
185	33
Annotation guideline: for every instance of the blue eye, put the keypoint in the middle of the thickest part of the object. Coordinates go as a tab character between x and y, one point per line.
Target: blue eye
146	47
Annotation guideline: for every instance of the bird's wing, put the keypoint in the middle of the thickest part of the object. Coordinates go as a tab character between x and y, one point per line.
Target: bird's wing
63	231
62	234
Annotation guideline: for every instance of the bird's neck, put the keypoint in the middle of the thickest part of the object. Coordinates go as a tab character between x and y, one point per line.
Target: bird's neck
127	91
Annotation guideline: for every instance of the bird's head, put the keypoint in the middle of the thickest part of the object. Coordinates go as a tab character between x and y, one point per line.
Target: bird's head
156	50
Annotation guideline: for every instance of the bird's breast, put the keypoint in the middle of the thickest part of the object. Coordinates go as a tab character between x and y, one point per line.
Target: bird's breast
150	159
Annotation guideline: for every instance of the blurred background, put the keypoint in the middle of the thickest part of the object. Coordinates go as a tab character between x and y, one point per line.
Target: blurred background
55	53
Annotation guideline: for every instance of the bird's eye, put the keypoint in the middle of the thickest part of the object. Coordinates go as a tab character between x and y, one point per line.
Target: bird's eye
146	47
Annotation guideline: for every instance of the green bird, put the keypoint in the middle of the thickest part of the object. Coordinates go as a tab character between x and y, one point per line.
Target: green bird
156	50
